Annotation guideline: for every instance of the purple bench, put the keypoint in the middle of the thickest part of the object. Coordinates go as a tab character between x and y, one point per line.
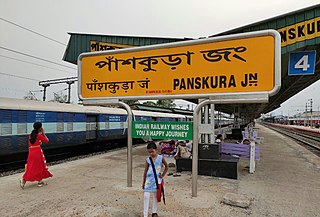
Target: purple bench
243	151
253	135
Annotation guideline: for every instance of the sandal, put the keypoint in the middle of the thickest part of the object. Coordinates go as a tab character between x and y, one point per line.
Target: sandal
41	183
22	183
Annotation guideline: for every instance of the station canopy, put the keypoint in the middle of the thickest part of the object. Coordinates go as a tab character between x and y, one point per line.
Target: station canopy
299	30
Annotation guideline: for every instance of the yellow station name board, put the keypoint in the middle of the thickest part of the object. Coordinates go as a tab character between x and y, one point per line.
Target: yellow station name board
198	68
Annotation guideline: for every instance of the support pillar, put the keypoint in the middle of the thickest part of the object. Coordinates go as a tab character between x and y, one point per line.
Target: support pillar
45	90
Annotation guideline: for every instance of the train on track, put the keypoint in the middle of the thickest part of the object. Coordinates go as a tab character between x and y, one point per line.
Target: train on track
68	125
65	124
299	121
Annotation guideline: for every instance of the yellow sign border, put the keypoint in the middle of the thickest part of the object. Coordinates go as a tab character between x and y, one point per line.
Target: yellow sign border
171	46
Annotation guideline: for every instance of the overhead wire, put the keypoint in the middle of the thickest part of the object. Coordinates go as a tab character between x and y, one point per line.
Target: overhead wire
4	48
32	31
17	76
35	64
35	57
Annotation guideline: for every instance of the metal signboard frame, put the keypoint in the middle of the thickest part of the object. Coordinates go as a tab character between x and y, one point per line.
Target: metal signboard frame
276	80
211	98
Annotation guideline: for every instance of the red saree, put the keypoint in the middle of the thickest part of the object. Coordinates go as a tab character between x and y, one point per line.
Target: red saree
36	165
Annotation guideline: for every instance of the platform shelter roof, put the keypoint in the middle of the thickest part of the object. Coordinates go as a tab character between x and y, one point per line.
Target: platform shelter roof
83	42
300	31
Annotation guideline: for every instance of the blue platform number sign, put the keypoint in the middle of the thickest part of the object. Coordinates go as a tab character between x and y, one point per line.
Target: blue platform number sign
302	63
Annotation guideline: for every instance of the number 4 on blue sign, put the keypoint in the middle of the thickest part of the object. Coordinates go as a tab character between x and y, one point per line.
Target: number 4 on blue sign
302	63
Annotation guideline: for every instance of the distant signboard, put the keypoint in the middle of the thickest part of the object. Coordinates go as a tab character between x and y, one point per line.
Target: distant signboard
102	46
191	69
302	63
162	130
300	31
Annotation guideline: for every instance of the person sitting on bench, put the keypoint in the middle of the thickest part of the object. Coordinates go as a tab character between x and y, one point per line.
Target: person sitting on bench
167	148
246	142
182	151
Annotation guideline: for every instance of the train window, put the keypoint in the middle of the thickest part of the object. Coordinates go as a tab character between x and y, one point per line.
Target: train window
123	121
6	129
22	122
6	125
60	123
107	125
60	127
91	127
70	123
22	128
70	126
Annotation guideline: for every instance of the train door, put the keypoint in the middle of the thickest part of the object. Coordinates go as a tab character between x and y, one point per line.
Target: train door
91	127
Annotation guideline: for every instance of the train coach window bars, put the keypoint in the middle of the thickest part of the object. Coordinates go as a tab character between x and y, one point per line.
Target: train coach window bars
6	129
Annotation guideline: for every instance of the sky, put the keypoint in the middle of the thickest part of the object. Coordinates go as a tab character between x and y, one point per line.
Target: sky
34	35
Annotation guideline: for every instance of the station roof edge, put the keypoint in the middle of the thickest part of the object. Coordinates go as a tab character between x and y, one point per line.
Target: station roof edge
130	36
230	31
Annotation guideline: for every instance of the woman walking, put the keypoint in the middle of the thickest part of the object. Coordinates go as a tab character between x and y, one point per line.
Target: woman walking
36	169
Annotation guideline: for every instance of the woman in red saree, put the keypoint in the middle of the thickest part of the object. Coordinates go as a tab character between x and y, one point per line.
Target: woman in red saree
36	169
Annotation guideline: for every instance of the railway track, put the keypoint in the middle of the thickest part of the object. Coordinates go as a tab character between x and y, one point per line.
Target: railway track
310	141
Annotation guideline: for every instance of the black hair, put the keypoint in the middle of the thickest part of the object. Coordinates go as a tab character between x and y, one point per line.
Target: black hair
246	140
151	145
35	131
172	142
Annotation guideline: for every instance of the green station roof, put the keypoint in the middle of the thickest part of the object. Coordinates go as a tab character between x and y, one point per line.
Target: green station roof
80	43
300	31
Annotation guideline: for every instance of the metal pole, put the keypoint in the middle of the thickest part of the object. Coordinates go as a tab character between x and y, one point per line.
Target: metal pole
195	144
212	137
69	90
45	90
129	151
196	132
206	121
311	124
129	128
44	93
